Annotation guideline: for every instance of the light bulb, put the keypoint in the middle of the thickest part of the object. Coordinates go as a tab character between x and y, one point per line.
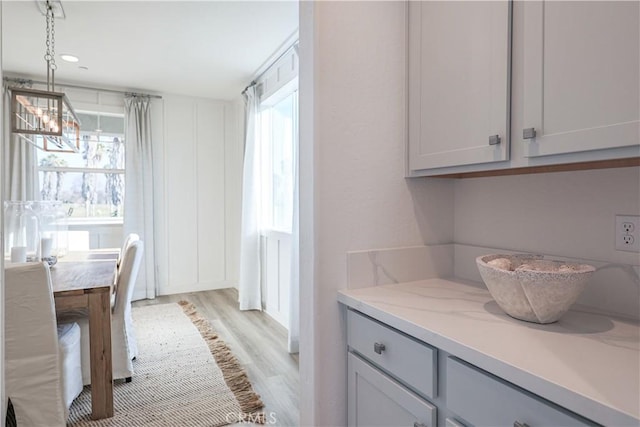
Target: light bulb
39	112
45	118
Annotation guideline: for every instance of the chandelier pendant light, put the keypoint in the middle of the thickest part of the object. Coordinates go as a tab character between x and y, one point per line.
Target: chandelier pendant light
45	118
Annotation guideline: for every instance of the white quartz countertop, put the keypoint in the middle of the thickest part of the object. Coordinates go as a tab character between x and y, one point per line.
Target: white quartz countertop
588	363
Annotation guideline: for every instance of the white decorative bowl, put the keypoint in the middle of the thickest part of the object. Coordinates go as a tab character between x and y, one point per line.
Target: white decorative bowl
531	288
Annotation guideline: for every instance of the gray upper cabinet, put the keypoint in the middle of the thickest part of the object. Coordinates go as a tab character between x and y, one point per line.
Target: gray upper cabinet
581	75
458	83
572	97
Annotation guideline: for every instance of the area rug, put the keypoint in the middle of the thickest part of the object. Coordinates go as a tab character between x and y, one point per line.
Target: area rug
184	376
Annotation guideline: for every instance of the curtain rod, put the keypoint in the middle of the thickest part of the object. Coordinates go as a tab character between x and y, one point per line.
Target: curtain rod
253	83
29	81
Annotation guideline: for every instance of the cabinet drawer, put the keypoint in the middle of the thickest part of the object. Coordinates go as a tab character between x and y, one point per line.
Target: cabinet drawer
376	400
481	399
410	361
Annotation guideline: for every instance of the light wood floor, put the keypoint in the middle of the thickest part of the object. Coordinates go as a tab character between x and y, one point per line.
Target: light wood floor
259	343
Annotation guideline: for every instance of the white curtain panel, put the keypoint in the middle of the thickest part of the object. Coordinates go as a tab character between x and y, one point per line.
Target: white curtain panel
138	200
21	169
249	292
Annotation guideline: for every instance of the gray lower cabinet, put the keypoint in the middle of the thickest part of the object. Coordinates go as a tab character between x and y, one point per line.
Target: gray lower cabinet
390	376
481	399
377	400
397	380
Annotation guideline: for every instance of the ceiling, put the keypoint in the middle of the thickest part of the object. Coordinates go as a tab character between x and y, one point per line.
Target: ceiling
200	48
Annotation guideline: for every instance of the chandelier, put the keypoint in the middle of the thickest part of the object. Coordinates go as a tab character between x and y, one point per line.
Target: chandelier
45	118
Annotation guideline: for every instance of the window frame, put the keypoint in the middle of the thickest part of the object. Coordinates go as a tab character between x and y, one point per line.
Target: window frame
289	89
90	220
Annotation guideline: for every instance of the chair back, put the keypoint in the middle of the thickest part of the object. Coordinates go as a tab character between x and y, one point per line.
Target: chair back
132	237
32	365
129	267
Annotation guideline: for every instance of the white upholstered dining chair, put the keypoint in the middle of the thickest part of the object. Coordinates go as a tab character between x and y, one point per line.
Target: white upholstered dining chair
42	359
123	342
133	344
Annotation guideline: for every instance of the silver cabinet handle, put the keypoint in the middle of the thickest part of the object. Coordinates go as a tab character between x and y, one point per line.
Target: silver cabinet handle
529	133
417	424
519	424
494	140
379	347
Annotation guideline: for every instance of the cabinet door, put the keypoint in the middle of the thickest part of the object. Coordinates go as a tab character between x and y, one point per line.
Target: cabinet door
581	75
459	76
375	400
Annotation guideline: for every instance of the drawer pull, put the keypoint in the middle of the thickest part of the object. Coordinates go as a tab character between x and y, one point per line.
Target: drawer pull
528	133
379	347
519	424
417	424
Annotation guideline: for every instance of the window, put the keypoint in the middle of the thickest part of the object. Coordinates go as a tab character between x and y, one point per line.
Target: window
278	134
90	184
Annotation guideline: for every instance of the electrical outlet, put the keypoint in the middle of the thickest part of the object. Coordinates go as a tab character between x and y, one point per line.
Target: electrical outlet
628	233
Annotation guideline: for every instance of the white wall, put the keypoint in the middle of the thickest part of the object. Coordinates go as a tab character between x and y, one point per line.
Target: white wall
353	194
2	397
234	156
200	206
566	213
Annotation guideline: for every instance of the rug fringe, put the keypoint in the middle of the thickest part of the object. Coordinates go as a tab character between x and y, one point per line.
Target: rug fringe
234	375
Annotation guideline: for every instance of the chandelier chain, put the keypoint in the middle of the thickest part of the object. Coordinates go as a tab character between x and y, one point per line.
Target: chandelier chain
51	46
47	55
53	41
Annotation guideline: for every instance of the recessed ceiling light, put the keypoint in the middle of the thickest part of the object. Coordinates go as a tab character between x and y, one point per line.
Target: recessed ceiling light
69	58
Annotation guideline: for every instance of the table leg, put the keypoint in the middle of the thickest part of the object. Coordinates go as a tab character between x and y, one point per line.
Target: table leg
100	349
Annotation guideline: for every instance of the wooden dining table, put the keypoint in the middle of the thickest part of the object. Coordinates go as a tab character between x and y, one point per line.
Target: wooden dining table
83	280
